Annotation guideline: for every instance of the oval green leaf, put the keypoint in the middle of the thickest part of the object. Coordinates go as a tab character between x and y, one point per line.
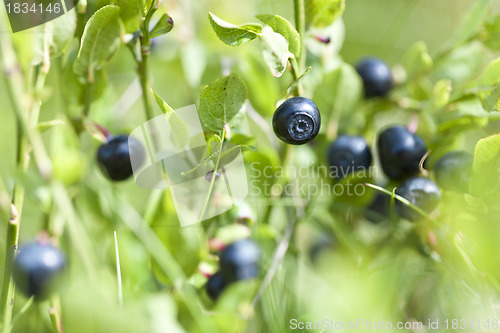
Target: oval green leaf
100	40
285	28
231	34
222	101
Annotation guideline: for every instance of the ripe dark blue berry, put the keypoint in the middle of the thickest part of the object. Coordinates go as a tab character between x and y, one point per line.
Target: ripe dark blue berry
38	269
297	121
239	261
400	152
421	192
376	76
380	208
114	156
347	155
215	285
453	171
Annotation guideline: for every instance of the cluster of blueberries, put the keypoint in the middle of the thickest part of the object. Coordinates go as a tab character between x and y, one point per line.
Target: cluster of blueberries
401	155
297	121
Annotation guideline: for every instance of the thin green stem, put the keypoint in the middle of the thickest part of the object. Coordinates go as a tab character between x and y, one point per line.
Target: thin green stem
144	80
295	85
55	314
295	69
143	67
214	175
8	288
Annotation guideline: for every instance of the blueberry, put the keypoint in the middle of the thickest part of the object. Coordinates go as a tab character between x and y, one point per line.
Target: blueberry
380	208
38	269
376	76
297	121
239	261
453	171
215	285
114	156
400	152
348	154
421	192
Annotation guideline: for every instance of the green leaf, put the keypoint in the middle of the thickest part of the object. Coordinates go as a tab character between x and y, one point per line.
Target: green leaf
461	64
340	92
130	14
417	60
231	34
322	13
164	25
180	129
285	28
486	176
100	40
472	23
275	51
222	101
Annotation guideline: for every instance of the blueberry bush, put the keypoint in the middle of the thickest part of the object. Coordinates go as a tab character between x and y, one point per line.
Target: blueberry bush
372	167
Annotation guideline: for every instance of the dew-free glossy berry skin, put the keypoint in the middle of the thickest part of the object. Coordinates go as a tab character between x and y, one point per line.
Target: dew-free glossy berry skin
215	285
400	152
114	156
347	155
297	121
376	76
240	261
38	269
421	192
380	208
453	171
